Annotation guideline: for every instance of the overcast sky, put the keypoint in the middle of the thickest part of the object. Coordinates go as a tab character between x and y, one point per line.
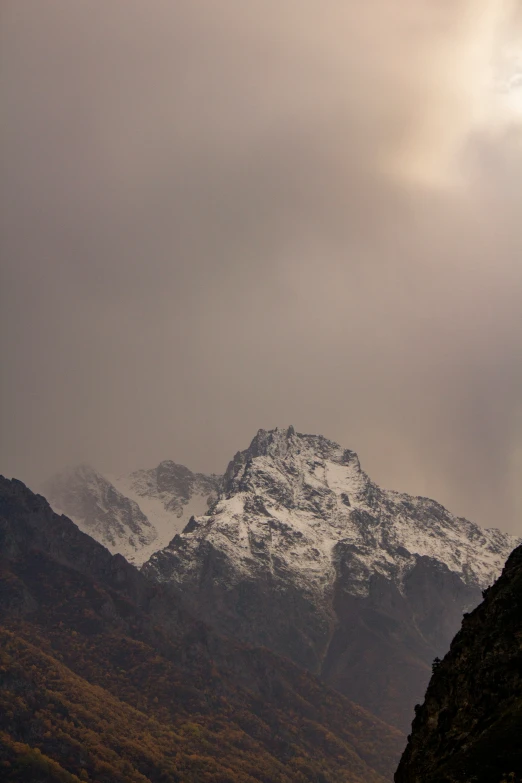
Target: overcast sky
222	216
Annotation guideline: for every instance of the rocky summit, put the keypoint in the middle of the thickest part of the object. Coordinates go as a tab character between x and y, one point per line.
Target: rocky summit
303	553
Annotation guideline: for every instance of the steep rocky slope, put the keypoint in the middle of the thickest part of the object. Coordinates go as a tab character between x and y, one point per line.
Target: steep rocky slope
470	725
105	677
169	495
303	553
132	515
100	510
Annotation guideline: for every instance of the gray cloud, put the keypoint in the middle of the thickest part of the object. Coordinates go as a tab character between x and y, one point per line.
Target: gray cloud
224	216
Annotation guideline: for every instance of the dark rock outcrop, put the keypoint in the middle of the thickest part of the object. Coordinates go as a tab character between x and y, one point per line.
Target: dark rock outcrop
469	729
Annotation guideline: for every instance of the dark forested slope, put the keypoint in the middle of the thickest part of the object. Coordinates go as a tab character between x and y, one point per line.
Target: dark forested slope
104	677
470	726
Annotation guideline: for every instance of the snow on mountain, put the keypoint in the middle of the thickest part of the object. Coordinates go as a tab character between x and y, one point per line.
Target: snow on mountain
169	495
290	501
99	509
133	515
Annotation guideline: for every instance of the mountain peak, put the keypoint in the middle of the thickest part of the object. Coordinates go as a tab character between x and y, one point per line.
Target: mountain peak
285	440
291	451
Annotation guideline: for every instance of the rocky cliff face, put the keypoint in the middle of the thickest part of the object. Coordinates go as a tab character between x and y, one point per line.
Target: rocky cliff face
132	515
470	725
303	553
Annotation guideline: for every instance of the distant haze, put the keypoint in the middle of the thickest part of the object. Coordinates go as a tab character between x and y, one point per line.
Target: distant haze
221	216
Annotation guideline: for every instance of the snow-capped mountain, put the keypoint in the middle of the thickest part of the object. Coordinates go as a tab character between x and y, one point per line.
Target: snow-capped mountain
132	515
169	495
303	553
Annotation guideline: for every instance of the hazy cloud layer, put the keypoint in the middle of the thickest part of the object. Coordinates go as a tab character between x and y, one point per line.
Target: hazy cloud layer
224	216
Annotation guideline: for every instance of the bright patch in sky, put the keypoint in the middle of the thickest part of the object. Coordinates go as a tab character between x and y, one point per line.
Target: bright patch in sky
514	92
509	87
